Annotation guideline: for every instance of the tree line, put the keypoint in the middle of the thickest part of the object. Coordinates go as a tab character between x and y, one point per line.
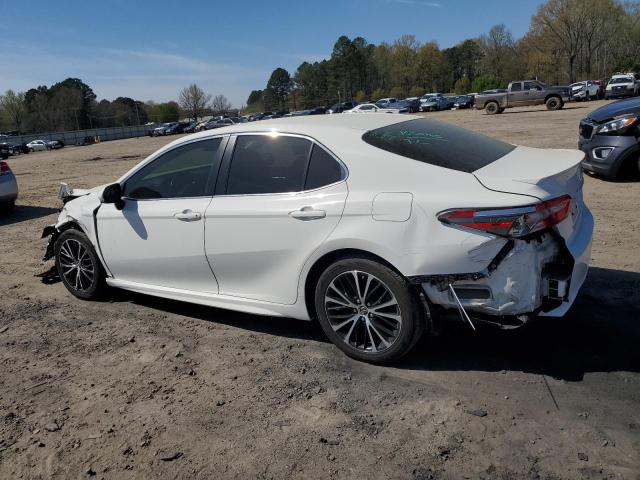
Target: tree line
72	105
568	40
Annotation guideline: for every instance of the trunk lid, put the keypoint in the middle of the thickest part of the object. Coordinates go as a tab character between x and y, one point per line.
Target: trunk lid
536	172
540	173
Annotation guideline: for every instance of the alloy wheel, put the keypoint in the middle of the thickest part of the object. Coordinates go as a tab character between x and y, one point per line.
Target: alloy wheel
76	265
363	311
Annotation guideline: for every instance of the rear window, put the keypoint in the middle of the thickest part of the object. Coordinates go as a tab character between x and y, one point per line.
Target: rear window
439	144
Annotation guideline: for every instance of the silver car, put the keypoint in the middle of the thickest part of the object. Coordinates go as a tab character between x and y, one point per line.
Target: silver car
8	187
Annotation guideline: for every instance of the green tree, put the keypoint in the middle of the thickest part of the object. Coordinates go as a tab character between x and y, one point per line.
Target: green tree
361	96
404	54
485	82
416	92
462	85
377	94
396	92
254	97
14	109
277	90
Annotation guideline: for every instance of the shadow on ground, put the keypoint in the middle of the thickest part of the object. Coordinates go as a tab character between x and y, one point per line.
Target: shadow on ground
601	333
22	213
566	107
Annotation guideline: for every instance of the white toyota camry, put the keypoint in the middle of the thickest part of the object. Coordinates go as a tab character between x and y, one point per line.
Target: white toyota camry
376	225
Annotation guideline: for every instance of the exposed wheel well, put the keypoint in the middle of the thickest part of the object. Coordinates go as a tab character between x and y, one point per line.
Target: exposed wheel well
629	167
323	262
553	95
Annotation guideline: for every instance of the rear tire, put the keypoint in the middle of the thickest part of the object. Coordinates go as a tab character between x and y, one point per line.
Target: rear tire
554	103
492	108
368	310
78	265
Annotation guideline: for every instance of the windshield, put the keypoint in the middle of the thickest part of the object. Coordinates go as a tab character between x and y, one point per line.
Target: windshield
621	80
439	144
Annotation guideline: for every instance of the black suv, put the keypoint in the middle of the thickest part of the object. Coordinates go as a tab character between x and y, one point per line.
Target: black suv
610	139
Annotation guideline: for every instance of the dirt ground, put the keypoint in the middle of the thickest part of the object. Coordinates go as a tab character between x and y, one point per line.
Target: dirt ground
138	387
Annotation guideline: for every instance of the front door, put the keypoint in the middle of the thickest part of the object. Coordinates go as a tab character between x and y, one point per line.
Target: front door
158	237
283	197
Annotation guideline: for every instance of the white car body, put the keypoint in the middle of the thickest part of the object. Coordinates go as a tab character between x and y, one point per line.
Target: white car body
364	108
584	90
255	252
623	85
38	145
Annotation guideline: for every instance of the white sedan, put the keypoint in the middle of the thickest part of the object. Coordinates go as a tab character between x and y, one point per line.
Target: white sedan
37	145
379	226
365	108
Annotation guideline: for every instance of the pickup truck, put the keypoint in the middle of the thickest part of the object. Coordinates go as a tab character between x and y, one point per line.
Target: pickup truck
522	93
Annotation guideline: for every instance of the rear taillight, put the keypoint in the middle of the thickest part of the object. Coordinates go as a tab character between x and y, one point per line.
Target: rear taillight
4	167
510	222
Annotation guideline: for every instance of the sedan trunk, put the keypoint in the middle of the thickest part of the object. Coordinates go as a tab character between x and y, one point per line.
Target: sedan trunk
543	174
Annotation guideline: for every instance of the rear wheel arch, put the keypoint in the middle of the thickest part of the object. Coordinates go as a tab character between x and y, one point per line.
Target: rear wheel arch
322	263
492	107
555	97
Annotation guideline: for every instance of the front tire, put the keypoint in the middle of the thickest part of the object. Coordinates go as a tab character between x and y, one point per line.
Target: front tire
78	265
368	310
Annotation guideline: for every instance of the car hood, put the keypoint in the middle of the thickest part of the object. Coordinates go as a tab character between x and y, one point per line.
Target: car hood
615	109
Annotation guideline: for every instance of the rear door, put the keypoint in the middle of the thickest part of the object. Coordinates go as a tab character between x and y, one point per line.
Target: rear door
533	93
516	95
278	198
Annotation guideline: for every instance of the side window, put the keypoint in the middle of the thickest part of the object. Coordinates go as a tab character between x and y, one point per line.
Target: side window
181	172
529	86
323	169
268	164
516	87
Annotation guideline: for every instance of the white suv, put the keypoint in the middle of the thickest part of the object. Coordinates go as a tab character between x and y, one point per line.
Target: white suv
623	85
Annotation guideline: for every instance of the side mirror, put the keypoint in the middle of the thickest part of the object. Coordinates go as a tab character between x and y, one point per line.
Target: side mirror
113	194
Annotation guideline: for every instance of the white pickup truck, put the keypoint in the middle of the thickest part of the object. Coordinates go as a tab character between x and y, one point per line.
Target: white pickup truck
623	85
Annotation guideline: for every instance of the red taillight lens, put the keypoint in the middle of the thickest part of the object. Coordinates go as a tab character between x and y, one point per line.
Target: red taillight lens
510	222
4	167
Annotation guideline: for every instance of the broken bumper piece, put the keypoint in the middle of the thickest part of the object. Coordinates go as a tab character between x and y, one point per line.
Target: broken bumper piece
538	276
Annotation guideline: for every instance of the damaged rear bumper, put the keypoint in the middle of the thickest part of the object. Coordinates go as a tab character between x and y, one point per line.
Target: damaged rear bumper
537	276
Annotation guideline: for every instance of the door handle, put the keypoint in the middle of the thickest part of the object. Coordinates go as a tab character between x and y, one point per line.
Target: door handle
307	213
188	216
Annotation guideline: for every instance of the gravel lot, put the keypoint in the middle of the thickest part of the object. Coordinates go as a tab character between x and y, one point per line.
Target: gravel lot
139	387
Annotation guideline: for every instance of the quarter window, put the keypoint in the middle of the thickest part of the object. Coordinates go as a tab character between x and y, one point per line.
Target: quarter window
268	164
179	173
323	169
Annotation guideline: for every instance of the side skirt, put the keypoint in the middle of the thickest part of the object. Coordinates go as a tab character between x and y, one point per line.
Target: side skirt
246	305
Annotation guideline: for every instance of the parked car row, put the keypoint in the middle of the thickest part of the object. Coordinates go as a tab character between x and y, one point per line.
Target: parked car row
8	149
172	128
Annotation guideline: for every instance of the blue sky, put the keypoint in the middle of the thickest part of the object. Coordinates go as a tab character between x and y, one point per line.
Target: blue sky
149	50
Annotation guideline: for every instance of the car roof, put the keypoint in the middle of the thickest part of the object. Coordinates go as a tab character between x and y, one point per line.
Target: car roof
335	131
